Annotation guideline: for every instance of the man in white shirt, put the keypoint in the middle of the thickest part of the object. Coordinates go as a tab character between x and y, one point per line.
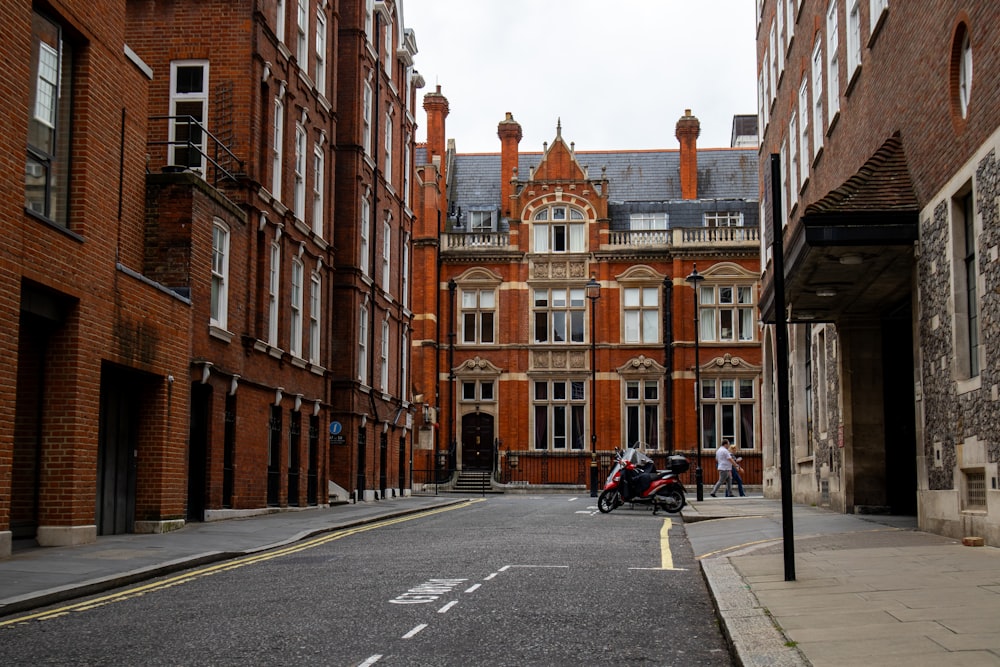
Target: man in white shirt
724	462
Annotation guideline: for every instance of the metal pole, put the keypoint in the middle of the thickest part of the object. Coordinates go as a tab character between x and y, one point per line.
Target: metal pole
593	293
781	364
695	279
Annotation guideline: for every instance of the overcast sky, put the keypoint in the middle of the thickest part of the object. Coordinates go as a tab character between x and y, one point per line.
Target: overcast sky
619	74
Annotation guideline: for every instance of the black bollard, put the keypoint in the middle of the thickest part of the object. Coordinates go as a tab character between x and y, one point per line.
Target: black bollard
699	487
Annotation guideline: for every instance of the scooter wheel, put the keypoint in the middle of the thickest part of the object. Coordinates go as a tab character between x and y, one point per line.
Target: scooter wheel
671	500
608	500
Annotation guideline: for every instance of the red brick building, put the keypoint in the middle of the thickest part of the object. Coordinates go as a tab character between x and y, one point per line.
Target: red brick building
371	325
177	308
552	317
94	395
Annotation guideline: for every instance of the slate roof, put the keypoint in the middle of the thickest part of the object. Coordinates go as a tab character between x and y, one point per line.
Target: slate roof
638	181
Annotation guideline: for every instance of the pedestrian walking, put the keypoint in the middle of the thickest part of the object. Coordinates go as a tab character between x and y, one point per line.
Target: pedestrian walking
737	469
724	463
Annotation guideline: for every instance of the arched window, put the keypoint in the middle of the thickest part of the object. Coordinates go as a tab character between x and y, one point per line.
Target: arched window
559	229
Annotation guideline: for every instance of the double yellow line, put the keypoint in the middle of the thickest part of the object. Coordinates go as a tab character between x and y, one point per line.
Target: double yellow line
236	563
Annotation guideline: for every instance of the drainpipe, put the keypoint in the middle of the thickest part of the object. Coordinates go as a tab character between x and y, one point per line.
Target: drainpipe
668	363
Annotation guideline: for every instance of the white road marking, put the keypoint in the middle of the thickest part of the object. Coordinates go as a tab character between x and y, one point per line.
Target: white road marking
472	588
448	606
571	499
371	661
505	568
412	633
490	576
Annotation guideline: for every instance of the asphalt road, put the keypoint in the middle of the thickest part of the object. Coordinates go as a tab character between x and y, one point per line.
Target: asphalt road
506	580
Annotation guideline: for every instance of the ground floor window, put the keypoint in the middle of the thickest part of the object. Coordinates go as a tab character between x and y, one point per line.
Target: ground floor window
559	414
728	409
642	413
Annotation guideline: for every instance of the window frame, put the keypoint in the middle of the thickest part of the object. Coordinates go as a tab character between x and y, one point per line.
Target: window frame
548	314
295	297
219	301
739	312
277	148
640	317
315	314
322	46
199	126
302	35
48	145
641	413
274	294
714	402
319	182
299	174
482	318
563	417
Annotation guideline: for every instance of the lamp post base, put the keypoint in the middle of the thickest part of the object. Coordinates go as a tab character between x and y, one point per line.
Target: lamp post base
593	476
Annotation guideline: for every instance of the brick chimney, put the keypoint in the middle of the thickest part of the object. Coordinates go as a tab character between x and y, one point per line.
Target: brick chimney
688	129
509	131
436	106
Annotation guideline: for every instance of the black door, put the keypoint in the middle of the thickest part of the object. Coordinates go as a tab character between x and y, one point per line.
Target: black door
477	441
116	452
900	417
198	442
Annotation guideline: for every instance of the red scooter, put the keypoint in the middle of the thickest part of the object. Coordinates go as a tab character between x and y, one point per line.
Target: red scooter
635	479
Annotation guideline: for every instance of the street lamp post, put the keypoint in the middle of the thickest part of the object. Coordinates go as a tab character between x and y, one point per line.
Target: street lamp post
695	279
593	293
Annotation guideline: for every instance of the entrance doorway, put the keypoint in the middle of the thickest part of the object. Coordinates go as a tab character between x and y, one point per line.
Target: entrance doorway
117	447
477	441
900	416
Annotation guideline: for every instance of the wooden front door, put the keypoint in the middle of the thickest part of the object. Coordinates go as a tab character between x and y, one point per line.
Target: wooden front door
477	441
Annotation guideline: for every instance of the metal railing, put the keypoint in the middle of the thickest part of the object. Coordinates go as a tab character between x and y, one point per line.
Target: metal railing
200	152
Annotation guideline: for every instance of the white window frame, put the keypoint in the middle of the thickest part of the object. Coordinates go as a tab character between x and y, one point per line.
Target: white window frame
220	275
319	183
794	157
187	100
833	62
727	313
366	119
384	357
481	222
561	404
790	9
302	35
365	228
315	313
274	295
390	51
279	23
478	316
817	97
804	131
966	286
299	170
407	161
641	413
641	314
321	52
369	19
559	229
719	393
965	75
295	309
404	368
559	311
648	221
405	272
779	28
387	162
723	219
386	253
277	148
876	8
853	38
363	344
775	72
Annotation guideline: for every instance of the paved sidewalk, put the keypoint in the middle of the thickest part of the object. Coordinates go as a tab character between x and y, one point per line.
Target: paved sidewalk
867	590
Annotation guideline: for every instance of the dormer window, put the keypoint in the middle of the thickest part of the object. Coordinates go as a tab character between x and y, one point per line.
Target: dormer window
483	221
647	221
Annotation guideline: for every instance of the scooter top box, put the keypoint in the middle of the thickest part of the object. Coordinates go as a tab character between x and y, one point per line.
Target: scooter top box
678	464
